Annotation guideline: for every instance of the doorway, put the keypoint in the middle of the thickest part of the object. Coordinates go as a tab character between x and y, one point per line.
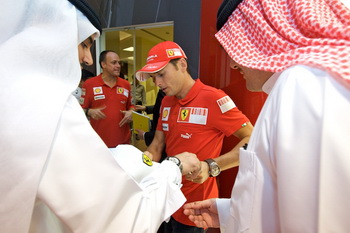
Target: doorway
132	44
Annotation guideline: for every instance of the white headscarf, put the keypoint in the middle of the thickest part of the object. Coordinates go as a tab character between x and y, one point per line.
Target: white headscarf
39	70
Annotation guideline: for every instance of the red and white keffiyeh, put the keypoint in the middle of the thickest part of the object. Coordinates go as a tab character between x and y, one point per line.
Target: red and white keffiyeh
273	35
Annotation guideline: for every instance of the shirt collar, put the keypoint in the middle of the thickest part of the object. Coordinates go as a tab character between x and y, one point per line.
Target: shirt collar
197	86
102	83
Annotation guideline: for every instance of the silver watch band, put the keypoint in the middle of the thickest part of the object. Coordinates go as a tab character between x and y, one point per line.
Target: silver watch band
175	160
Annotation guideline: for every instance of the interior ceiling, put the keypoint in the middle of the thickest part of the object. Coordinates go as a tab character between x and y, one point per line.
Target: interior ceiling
161	33
125	38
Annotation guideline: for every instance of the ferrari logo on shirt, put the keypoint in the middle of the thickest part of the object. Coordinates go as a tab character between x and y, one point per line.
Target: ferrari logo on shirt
123	91
193	115
225	104
146	160
184	114
98	90
165	114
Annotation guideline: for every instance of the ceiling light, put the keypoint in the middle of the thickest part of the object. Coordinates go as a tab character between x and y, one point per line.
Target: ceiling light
129	49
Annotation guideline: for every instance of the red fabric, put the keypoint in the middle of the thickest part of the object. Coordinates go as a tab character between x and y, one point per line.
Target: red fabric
273	35
158	57
115	99
182	122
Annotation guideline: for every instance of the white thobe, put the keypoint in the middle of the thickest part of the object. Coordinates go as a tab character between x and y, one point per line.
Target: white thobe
295	174
86	190
56	174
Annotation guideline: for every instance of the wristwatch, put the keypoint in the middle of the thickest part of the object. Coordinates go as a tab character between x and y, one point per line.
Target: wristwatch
176	161
214	169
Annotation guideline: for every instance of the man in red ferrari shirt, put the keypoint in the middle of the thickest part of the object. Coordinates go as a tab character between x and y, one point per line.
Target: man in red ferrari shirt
106	100
195	118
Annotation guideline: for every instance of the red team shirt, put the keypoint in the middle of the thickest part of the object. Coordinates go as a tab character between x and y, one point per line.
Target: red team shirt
96	94
198	124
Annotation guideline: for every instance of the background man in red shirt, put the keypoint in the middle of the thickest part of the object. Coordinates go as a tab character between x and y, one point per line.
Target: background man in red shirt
106	100
195	118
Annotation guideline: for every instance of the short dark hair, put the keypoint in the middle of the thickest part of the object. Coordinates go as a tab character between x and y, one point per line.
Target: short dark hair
174	62
103	54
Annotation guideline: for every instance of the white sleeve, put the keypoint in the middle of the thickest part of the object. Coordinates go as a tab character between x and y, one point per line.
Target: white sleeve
163	185
223	206
88	191
296	164
311	150
160	182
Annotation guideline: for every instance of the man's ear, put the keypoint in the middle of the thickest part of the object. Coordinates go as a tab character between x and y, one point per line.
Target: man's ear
183	64
103	64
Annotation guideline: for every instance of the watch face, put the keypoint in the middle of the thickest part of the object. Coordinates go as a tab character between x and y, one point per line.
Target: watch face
175	160
215	170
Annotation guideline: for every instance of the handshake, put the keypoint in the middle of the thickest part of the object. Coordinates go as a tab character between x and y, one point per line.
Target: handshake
188	163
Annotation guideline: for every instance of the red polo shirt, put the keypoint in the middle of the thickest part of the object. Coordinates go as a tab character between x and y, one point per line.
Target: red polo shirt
96	94
198	124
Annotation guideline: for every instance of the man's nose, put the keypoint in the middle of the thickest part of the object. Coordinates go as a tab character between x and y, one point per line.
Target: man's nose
157	81
88	58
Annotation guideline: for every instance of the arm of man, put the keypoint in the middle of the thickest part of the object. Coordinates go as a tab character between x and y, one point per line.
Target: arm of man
95	113
157	145
130	107
203	213
127	117
229	159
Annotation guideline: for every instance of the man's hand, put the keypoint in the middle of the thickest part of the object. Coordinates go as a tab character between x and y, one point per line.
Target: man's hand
202	176
140	134
140	108
203	213
127	118
96	113
191	166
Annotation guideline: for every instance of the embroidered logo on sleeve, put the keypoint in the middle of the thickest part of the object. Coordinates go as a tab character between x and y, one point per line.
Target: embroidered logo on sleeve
83	91
165	114
193	115
98	90
225	104
122	91
146	160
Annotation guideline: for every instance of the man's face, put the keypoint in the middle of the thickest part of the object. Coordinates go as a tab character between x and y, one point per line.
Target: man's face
255	79
111	65
170	79
84	51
